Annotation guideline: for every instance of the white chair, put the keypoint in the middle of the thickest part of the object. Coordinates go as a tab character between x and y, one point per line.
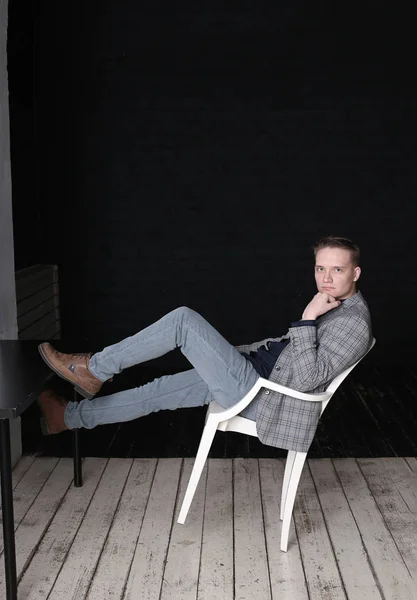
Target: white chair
218	418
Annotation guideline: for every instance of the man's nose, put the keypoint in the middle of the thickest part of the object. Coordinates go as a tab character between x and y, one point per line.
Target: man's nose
327	277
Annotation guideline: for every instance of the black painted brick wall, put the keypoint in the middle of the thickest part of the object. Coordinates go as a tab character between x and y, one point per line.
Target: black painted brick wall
191	156
27	227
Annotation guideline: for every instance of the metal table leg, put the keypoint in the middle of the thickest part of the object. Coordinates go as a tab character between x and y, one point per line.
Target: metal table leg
7	511
78	476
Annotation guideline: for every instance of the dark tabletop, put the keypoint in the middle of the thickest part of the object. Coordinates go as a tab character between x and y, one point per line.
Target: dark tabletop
22	375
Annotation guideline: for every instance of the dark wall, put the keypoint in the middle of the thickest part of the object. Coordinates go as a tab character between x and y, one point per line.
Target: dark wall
27	225
191	156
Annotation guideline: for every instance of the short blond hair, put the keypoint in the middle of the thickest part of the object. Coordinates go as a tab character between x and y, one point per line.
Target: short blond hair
331	241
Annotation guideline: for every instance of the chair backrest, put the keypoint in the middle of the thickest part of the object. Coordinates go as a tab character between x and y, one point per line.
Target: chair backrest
338	380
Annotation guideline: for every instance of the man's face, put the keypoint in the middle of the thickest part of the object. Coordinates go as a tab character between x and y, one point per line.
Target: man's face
335	273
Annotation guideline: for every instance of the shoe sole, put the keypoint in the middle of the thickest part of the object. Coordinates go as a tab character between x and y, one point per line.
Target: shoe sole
77	388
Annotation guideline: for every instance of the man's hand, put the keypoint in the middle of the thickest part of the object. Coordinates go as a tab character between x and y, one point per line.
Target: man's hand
320	304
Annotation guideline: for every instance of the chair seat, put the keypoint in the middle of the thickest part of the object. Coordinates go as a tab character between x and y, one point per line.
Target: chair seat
237	423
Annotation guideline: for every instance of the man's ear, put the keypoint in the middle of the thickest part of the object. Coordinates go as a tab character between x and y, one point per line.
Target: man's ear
357	273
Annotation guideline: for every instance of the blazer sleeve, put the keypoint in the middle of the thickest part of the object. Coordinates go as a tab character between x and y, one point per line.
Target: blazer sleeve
344	342
246	348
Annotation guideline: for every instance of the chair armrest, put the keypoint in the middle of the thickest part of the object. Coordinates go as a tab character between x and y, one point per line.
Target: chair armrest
227	413
282	389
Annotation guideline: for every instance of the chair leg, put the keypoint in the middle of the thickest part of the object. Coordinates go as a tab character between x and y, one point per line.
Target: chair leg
298	465
200	460
289	463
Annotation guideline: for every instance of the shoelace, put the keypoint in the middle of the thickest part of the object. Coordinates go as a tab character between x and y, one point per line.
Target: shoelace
85	355
62	401
81	354
59	399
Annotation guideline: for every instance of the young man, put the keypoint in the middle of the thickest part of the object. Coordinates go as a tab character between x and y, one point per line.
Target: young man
334	332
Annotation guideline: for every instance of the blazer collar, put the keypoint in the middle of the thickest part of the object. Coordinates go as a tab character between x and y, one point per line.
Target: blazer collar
352	300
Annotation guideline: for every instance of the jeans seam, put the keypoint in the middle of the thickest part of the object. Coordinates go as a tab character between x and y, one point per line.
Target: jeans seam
89	408
219	356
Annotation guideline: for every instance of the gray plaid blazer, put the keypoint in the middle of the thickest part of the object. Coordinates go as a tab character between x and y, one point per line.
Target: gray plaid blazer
315	355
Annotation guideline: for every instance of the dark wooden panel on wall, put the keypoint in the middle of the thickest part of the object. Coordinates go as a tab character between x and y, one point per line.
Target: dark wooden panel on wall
37	299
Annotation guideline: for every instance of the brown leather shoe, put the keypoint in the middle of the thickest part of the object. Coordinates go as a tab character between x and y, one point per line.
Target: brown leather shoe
73	368
53	409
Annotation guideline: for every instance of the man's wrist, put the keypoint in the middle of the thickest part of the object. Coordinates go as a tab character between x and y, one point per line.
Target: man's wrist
307	316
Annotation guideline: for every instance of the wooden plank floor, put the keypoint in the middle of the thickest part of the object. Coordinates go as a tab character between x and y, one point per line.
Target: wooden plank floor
353	535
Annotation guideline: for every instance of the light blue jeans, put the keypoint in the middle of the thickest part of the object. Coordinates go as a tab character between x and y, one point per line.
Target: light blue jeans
220	372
